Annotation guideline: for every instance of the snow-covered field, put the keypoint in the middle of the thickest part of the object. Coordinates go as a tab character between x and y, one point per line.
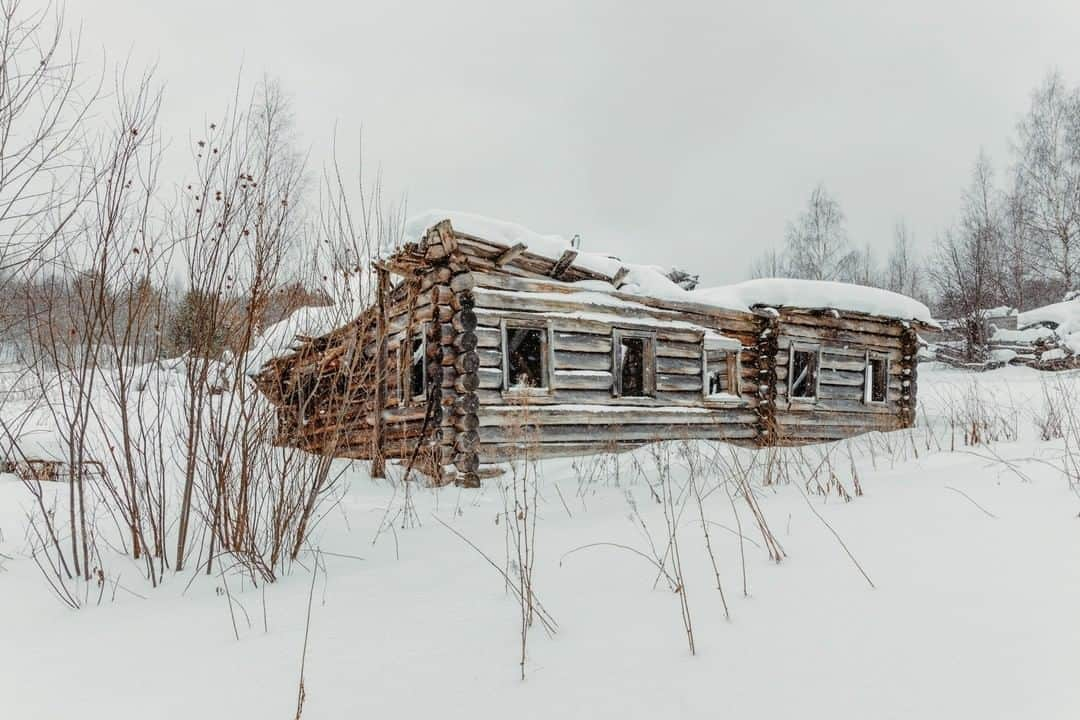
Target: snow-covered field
973	551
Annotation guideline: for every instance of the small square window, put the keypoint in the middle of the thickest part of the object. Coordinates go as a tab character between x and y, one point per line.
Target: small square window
876	382
803	373
526	362
721	373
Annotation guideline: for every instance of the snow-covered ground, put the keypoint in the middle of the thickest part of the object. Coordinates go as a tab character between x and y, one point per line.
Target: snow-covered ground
973	551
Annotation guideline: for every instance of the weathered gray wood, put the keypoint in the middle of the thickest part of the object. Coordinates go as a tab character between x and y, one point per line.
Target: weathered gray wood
489	377
468	382
466	441
464	320
678	365
571	323
489	358
466	404
803	333
582	360
509	254
499	452
549	303
582	342
583	379
467	362
602	433
835	406
614	415
487	337
672	349
690	399
462	282
466	422
866	324
666	381
563	263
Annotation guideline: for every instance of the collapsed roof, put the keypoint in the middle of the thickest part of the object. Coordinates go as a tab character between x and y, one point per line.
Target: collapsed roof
554	256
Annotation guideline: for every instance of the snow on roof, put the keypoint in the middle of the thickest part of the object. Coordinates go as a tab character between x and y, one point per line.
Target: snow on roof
1066	315
787	292
652	281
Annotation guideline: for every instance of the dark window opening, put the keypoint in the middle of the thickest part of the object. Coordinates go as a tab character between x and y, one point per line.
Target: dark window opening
416	369
804	374
878	376
632	366
526	349
717	372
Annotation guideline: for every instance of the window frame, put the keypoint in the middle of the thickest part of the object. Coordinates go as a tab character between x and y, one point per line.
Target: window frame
805	347
868	378
547	357
405	365
648	380
733	369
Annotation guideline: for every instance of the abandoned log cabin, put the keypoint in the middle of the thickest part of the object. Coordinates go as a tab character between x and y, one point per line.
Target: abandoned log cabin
486	342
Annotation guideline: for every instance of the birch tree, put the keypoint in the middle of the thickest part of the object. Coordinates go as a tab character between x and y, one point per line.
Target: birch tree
817	245
1048	174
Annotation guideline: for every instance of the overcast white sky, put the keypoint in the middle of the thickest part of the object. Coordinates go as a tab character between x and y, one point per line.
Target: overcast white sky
676	133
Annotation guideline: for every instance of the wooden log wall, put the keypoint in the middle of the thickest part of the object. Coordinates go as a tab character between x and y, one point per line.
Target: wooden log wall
580	414
342	393
840	409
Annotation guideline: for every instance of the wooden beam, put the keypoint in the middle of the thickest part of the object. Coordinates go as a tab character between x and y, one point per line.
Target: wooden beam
509	254
619	278
564	263
378	462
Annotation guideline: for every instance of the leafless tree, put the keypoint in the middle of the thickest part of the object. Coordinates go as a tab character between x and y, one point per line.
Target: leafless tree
1048	176
864	269
965	269
770	264
903	271
239	219
43	109
817	245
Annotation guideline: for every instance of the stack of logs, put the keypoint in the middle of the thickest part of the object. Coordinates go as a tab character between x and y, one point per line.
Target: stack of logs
451	409
767	346
909	352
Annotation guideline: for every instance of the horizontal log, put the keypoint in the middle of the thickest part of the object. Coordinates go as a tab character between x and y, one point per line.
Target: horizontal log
569	322
610	415
891	328
870	420
828	406
604	397
583	342
487	337
687	350
680	366
666	381
734	320
489	358
566	433
463	423
583	379
502	452
830	336
489	377
582	360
